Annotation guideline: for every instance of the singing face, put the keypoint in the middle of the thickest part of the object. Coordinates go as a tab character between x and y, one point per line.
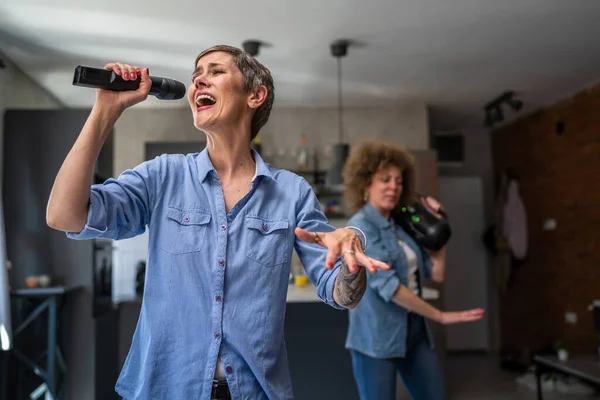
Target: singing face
216	94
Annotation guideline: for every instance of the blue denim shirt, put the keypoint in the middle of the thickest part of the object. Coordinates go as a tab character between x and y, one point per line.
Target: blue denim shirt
214	280
378	326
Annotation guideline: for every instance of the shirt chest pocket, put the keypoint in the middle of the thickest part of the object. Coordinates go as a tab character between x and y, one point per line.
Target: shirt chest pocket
267	240
184	231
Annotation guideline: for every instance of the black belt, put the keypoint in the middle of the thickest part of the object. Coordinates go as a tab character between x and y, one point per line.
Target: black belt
220	390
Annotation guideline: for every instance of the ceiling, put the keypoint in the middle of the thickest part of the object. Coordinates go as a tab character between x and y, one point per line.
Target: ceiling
454	55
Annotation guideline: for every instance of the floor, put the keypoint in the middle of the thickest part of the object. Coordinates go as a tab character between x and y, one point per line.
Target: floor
473	377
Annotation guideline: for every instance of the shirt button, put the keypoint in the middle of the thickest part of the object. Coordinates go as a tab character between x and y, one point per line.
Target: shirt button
221	263
266	228
223	227
217	335
217	298
229	369
186	219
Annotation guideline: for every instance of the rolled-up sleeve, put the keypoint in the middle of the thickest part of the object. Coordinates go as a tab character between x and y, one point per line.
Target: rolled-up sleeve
121	208
309	216
384	283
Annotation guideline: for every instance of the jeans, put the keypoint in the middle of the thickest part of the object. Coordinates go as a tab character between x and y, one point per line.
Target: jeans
419	369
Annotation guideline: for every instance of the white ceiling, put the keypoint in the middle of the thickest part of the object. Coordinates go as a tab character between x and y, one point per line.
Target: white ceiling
454	55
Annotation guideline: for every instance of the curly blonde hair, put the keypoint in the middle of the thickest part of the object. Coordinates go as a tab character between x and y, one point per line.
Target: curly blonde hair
366	160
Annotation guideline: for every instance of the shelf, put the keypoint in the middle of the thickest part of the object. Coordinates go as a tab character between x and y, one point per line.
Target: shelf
323	191
336	216
309	172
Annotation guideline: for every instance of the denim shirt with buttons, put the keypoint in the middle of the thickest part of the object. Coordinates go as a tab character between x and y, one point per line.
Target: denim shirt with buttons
378	326
216	282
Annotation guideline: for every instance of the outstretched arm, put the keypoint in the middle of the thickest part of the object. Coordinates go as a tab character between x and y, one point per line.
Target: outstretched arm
405	298
320	248
351	281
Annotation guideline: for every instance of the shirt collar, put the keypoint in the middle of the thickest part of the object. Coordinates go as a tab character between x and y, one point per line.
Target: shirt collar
375	216
205	165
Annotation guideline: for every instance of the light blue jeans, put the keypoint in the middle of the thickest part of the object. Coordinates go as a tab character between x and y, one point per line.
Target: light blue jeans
419	369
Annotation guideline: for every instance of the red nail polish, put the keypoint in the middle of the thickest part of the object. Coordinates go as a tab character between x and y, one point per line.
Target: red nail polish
330	264
126	75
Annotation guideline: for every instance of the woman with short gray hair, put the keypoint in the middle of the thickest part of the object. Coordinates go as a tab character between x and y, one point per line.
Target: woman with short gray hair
222	227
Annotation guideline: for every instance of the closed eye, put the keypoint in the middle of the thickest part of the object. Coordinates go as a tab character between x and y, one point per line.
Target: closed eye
214	72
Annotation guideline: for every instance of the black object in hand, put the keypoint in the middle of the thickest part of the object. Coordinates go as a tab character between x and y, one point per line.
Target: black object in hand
424	227
162	88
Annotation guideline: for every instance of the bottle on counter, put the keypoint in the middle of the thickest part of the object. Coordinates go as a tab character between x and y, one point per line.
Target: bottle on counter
302	158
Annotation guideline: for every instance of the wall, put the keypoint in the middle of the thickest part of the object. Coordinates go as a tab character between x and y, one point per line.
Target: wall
478	163
559	179
407	126
17	90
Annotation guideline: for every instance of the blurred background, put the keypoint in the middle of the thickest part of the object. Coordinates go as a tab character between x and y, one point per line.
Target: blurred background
498	102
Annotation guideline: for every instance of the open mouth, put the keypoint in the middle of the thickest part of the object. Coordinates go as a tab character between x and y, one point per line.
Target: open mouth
205	100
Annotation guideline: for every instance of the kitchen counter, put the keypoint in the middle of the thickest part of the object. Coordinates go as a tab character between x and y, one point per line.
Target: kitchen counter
308	294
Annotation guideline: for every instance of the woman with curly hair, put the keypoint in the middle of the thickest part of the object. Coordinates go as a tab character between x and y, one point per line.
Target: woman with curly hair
387	333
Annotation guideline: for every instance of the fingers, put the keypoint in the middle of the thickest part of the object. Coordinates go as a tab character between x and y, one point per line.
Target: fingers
471	315
433	204
125	71
476	313
462	316
371	264
347	245
366	262
350	260
333	252
145	83
380	265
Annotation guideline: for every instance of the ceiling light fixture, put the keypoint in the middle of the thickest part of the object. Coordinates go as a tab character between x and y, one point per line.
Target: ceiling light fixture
252	47
493	109
339	49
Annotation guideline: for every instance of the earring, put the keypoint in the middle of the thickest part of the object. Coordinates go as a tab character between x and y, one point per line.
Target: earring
366	197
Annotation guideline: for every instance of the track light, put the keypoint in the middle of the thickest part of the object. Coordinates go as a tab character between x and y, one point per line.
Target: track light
499	115
252	47
515	104
493	109
489	121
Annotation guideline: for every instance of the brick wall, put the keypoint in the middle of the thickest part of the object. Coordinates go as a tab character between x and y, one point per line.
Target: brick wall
560	179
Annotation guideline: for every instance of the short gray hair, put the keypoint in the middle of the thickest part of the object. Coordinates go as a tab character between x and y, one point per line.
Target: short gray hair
254	74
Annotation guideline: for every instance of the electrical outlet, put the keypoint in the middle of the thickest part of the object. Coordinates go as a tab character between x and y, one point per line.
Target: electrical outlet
570	317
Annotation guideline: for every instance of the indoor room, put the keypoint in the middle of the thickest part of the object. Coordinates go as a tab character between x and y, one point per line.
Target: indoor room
311	200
